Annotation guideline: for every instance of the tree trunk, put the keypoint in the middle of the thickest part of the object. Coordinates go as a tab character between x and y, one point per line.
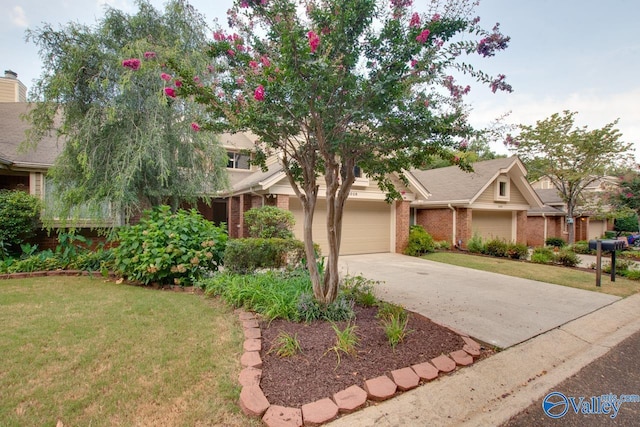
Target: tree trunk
309	206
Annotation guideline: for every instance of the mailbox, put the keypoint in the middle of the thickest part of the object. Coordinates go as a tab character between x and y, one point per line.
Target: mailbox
607	245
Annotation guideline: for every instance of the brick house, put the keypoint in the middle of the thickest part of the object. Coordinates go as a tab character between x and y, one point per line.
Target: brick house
492	202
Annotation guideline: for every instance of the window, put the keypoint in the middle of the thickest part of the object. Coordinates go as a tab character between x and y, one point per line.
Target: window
237	161
357	172
502	189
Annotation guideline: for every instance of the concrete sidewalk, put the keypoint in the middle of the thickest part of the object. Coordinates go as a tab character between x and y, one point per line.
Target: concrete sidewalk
495	389
496	309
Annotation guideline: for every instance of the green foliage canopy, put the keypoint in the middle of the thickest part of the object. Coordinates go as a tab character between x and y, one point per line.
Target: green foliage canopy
334	84
101	91
19	217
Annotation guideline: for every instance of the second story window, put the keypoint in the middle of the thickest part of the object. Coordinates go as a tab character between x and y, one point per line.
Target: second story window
237	161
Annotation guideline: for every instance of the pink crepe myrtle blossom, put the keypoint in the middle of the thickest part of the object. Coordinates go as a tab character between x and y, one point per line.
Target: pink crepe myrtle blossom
195	126
218	36
170	92
423	36
196	79
240	81
265	61
133	63
178	83
231	52
253	64
629	195
314	41
149	55
415	21
435	17
166	77
414	63
258	94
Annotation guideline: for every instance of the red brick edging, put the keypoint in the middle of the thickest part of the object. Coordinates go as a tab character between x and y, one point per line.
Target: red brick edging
255	404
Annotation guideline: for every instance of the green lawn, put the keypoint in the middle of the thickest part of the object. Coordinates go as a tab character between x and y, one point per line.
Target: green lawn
544	273
89	352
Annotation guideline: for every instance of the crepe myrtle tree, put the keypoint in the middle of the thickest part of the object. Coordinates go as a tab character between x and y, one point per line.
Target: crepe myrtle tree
627	198
333	84
570	157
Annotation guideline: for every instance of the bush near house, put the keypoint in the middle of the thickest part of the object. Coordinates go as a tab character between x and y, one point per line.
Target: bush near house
420	242
248	255
542	255
269	222
19	218
170	248
555	241
475	244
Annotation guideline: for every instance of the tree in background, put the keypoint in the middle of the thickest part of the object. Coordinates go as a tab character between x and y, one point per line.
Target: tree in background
125	141
570	157
332	85
628	198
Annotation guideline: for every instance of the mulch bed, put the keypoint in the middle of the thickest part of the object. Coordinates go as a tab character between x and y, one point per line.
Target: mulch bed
315	373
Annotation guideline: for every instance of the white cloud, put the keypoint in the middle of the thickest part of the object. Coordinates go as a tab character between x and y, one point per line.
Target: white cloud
18	17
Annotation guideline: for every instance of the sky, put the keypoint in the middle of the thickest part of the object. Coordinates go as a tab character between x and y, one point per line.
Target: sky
578	55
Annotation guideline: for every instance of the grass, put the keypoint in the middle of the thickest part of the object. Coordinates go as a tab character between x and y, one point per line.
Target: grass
286	345
346	340
87	352
545	273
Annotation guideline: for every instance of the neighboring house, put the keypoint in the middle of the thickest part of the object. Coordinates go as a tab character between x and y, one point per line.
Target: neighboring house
590	220
491	202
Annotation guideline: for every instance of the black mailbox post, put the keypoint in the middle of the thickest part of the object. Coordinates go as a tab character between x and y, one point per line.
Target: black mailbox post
606	245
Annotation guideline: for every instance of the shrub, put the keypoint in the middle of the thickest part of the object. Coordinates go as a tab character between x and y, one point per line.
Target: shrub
542	255
475	244
581	247
496	247
19	213
248	255
310	310
555	241
443	245
517	251
632	274
269	222
166	247
622	266
567	258
420	242
360	290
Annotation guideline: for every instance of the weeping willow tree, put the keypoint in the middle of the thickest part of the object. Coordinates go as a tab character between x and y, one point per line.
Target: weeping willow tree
125	141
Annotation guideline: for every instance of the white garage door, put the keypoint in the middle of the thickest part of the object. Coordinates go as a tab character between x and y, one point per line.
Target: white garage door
366	226
492	225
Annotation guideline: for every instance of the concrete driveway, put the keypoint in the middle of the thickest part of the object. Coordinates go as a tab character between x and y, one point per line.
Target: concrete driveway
496	309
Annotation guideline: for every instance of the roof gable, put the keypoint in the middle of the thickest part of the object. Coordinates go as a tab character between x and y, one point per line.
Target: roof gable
452	185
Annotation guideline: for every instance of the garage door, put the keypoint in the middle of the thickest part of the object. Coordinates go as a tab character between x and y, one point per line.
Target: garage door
492	225
366	226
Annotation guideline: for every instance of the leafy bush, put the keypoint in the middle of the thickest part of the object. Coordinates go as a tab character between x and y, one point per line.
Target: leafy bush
360	290
496	247
632	274
567	258
270	222
517	251
622	266
420	242
42	261
166	247
248	255
475	244
542	255
387	311
19	213
555	241
581	247
628	223
443	245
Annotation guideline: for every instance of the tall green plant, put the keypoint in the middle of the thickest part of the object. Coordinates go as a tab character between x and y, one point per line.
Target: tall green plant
270	222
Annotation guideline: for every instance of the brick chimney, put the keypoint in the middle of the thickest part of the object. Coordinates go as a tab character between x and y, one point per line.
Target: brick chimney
9	74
